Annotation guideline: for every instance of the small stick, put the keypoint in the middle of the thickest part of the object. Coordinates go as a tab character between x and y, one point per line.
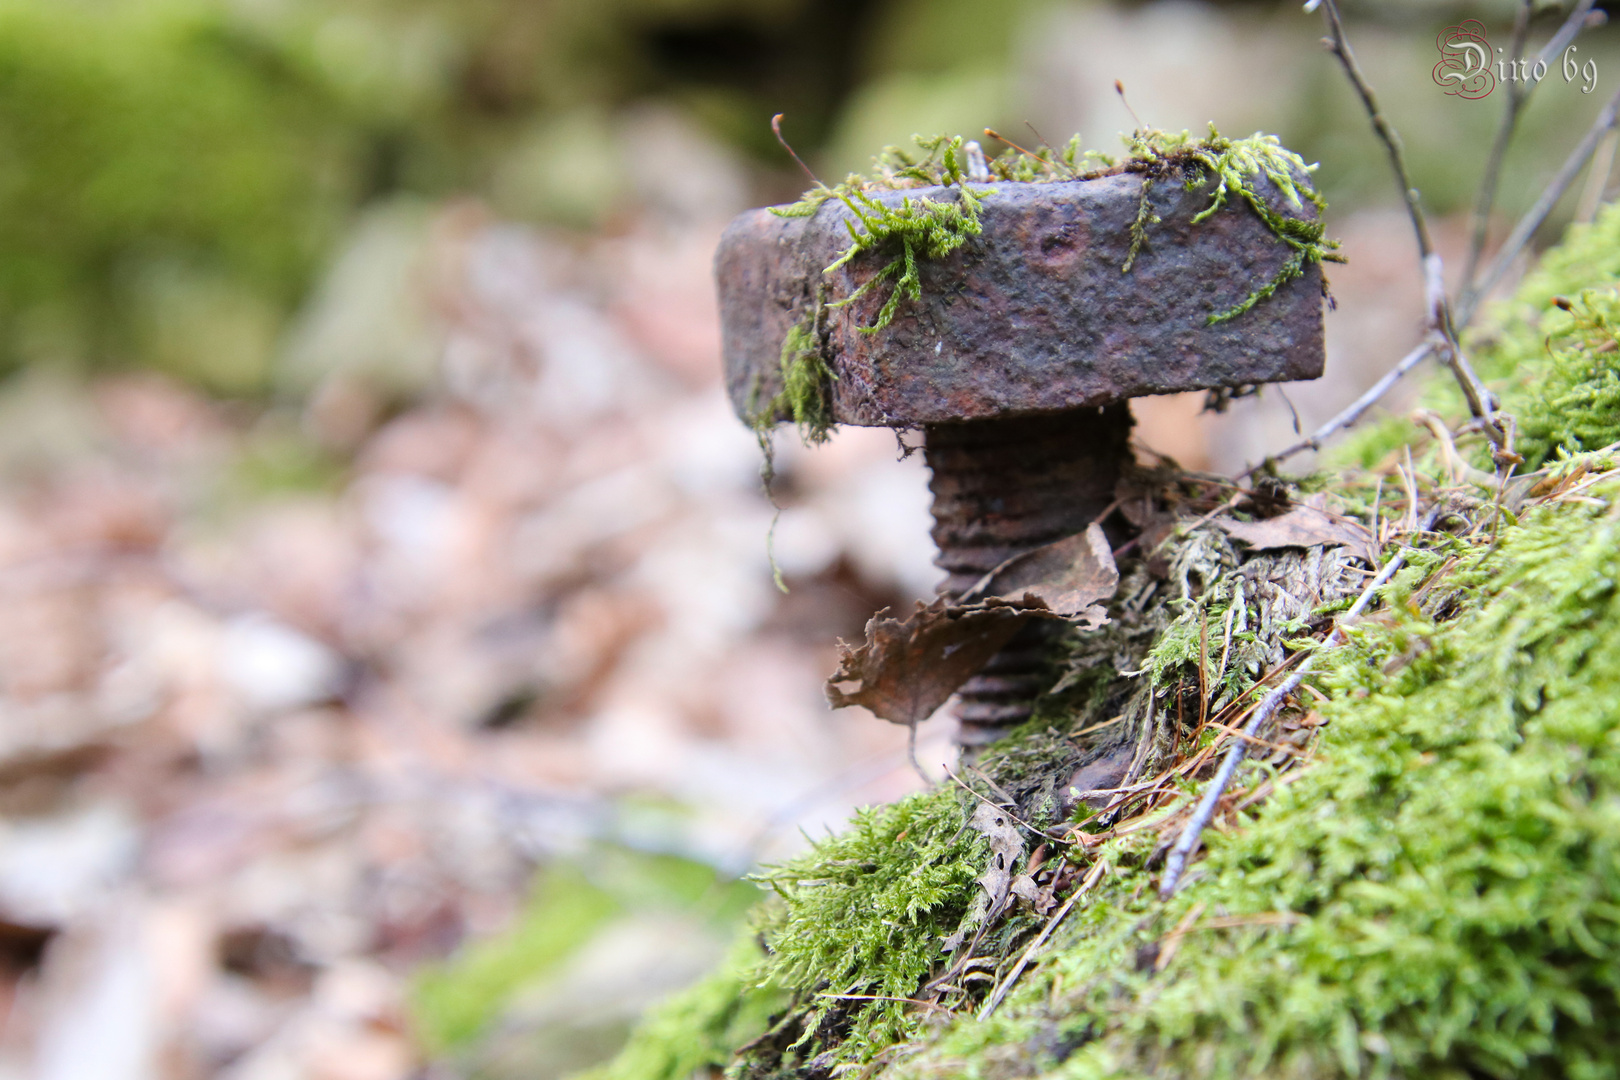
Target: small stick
776	129
1176	862
1352	413
1172	941
1533	218
1597	182
1440	322
1256	740
1000	992
1203	674
885	997
1517	95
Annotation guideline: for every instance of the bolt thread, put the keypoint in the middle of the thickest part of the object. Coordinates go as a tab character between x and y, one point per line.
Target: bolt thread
1004	487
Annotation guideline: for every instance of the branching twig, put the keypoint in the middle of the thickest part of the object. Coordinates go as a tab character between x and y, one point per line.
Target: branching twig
1464	311
1176	862
1533	218
1440	323
1350	414
1519	92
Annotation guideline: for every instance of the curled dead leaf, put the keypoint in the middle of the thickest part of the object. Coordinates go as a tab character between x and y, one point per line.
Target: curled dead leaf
907	668
1308	524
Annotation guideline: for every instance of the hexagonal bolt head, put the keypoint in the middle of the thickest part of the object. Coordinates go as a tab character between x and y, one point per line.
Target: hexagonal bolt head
1018	357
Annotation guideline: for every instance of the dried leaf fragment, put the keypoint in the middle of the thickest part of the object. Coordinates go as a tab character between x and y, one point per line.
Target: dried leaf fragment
1069	576
907	668
1308	524
1006	848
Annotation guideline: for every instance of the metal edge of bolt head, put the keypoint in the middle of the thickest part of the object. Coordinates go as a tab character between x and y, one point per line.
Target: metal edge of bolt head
1036	315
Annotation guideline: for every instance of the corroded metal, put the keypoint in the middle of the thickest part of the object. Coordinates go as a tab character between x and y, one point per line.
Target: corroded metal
1019	356
1004	487
1035	315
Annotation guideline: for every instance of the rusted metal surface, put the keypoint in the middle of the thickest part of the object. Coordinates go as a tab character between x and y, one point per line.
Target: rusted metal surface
1019	356
1034	316
1004	487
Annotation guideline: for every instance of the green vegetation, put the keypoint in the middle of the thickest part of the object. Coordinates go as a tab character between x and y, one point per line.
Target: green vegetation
1431	891
1234	165
454	1002
865	912
806	393
701	1027
457	1000
157	165
925	229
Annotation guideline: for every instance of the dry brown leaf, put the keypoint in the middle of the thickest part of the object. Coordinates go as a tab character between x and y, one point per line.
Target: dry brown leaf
1006	848
1069	576
1308	524
907	668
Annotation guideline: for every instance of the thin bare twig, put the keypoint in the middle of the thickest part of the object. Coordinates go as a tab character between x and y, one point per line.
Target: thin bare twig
1000	992
884	997
1519	92
1440	323
1537	214
1474	290
1351	413
1176	862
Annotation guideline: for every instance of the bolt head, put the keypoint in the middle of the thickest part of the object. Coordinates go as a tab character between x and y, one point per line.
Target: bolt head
1035	315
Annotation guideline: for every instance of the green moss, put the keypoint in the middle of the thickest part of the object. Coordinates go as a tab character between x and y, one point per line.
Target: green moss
806	394
1548	350
1435	895
1234	165
908	233
864	913
701	1027
1577	402
453	1002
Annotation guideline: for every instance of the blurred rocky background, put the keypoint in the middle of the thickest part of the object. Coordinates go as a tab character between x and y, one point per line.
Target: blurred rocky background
392	681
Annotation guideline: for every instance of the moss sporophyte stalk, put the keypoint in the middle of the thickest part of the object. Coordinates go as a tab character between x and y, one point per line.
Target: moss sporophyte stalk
1417	875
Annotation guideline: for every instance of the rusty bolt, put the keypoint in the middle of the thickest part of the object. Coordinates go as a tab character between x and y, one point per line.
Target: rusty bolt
1020	357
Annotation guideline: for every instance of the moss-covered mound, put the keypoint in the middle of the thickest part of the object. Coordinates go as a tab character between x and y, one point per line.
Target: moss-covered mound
1418	873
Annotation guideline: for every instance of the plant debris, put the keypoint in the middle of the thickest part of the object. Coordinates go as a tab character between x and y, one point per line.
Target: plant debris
1410	875
1308	524
907	668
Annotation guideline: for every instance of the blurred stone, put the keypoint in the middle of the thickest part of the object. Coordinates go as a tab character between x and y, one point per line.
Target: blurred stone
274	667
55	869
